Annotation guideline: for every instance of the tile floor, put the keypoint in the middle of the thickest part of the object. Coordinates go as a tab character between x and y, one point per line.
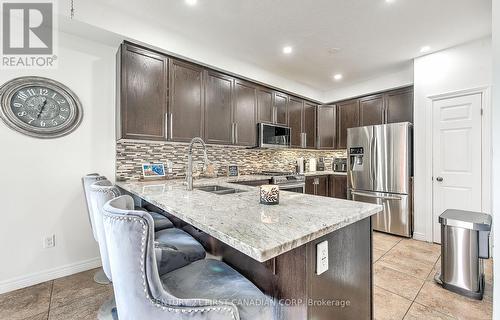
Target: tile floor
403	289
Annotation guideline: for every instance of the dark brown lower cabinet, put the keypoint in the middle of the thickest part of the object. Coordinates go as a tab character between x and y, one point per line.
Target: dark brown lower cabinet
338	186
317	185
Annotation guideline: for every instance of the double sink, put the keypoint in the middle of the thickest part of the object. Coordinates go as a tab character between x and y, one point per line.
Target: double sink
220	190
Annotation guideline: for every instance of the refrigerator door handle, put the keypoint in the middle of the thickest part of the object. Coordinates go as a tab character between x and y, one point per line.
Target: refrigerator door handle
372	196
372	160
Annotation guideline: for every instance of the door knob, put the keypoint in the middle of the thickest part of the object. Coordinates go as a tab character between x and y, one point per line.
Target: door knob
439	179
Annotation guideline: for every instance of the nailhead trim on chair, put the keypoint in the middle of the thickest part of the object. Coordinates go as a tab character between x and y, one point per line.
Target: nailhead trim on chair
155	302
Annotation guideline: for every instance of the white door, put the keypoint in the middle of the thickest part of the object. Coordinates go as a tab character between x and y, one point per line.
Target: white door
456	156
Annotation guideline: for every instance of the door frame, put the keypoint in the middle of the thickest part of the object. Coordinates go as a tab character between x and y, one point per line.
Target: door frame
486	153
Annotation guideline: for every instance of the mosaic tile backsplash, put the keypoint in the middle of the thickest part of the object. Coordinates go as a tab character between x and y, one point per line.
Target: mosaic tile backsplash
130	155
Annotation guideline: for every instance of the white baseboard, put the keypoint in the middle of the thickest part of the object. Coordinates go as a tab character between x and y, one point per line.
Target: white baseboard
50	274
419	236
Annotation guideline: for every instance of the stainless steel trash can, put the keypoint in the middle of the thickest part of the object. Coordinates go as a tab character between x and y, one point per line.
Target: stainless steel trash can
464	243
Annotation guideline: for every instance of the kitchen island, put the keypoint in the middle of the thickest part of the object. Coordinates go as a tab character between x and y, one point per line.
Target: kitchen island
276	246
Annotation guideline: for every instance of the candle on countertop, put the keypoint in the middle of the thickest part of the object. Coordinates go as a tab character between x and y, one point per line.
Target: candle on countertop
269	194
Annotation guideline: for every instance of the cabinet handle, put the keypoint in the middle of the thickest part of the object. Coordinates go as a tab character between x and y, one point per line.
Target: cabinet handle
235	133
305	140
166	126
171	126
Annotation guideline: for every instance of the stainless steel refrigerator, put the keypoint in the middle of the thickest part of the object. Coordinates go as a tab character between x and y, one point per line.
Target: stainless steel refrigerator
380	171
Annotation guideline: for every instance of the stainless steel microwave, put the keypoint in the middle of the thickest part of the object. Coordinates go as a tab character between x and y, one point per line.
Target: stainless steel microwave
273	136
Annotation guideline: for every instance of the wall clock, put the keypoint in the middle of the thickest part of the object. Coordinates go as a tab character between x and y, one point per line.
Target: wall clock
39	107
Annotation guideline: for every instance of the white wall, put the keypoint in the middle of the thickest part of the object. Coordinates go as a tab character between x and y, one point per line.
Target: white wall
496	154
459	68
400	77
40	188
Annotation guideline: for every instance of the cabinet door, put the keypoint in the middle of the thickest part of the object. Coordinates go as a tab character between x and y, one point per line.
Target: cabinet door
218	108
347	117
245	112
295	116
322	186
309	125
143	94
371	110
399	105
338	186
280	108
265	109
186	101
326	127
310	185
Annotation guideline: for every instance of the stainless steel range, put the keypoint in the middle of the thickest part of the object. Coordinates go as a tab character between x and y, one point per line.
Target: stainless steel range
287	181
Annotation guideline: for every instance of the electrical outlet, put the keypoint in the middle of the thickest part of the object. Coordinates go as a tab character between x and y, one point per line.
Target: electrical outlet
321	257
49	241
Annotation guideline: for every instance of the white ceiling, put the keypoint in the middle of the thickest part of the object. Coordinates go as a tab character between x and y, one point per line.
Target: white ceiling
373	36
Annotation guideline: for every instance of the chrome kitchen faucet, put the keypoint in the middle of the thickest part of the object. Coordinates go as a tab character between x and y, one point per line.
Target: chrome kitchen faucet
189	173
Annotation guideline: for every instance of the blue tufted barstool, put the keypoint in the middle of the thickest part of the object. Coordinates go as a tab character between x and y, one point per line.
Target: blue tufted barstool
203	290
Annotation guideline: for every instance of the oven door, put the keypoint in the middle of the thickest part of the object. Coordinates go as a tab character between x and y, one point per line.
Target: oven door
298	187
272	136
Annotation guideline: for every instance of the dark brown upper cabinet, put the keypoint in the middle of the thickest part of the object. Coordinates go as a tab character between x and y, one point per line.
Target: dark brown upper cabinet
371	110
399	105
280	103
295	119
265	105
309	125
219	127
326	127
245	113
142	94
302	121
186	101
347	117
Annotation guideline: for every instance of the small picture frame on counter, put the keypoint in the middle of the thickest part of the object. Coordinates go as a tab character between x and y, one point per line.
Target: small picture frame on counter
153	170
232	170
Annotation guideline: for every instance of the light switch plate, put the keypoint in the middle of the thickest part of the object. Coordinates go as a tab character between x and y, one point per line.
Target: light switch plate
321	257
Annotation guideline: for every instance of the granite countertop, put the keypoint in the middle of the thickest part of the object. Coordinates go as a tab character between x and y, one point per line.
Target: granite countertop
239	220
324	173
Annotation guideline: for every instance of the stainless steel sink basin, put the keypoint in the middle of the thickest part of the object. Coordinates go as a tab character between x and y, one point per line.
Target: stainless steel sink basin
219	189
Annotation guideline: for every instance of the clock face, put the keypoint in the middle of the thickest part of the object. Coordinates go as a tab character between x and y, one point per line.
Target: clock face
39	107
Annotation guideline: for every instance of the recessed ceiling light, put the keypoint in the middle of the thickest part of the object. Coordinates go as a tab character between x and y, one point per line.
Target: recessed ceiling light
191	2
425	49
287	50
338	76
390	1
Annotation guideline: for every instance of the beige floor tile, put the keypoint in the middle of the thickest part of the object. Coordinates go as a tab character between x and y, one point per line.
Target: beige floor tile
406	264
452	304
27	303
383	241
435	269
488	270
388	306
396	282
420	312
377	254
78	296
42	316
417	251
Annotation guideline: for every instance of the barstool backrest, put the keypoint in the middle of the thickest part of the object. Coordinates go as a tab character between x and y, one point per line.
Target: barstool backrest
138	290
87	181
100	193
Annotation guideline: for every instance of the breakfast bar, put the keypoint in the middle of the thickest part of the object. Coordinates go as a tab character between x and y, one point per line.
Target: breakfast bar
312	254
